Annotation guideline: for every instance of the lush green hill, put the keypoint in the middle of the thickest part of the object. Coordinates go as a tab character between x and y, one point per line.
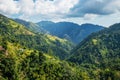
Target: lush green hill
9	26
14	32
23	55
69	30
101	51
19	63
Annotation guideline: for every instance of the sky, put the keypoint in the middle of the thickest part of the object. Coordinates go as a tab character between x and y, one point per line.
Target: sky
101	12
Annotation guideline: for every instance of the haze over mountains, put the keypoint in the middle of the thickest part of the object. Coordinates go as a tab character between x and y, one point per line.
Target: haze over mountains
29	51
68	30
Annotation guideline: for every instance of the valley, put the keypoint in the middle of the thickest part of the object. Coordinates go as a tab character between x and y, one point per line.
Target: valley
58	51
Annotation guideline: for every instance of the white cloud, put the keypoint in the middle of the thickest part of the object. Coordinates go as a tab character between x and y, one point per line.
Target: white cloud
9	7
99	7
90	16
44	8
57	8
26	7
113	6
51	9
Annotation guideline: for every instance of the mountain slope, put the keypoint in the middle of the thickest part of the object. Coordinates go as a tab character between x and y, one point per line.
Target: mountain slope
26	64
23	55
104	44
31	26
9	25
101	51
14	32
70	31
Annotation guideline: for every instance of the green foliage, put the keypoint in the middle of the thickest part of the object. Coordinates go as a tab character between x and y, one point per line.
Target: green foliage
102	50
35	65
14	32
25	55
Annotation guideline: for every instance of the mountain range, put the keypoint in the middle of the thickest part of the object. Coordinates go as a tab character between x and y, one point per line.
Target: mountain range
71	31
68	30
29	53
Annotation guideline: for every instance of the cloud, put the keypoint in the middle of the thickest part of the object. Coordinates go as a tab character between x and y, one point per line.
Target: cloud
53	9
90	16
98	7
9	7
26	7
31	8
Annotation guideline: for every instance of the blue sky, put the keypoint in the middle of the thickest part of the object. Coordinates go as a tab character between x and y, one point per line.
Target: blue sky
102	12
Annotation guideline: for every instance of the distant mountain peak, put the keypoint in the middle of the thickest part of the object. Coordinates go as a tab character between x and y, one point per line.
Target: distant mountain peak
74	31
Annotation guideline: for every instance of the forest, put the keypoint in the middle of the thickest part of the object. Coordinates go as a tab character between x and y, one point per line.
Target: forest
29	55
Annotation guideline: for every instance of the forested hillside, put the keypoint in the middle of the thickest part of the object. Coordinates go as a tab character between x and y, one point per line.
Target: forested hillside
18	63
102	51
17	33
26	55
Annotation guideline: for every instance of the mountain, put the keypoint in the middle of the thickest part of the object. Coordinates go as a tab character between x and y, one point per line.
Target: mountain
100	51
25	55
71	31
11	31
31	26
26	64
8	26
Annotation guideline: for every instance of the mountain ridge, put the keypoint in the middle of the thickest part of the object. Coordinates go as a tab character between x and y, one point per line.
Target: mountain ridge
31	26
69	30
